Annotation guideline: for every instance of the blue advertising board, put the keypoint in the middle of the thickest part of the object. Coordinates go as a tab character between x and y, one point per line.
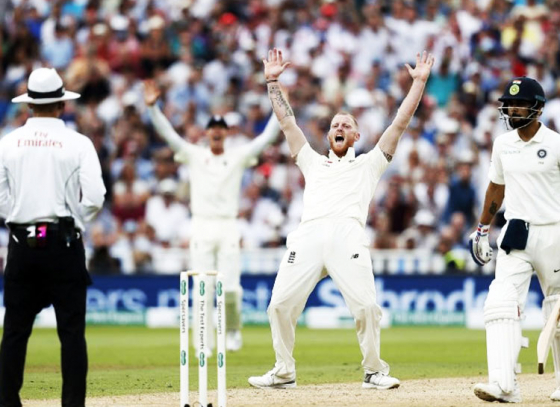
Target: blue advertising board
447	295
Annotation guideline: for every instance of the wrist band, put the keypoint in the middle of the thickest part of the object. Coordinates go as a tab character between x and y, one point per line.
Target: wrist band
272	80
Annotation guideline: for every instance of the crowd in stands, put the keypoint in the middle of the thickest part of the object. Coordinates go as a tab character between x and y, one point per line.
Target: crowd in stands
206	55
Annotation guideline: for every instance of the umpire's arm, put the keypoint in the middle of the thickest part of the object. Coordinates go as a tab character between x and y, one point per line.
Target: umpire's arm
273	68
390	137
91	182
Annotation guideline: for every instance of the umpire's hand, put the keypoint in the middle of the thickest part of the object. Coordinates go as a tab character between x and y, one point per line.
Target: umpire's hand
480	245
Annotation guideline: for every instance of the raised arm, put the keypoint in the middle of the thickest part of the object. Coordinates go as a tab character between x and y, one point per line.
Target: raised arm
391	136
160	122
273	68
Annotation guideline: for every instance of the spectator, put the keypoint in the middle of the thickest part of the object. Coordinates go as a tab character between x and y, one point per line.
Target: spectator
462	194
129	194
59	52
168	217
206	59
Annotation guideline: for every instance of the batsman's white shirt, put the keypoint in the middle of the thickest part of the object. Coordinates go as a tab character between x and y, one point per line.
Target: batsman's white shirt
48	171
531	172
330	239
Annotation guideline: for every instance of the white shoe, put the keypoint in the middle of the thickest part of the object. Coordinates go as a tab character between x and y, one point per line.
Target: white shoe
234	341
271	380
380	381
493	392
556	395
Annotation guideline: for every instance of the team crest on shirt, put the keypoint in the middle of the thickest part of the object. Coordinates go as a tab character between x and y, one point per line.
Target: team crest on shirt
541	153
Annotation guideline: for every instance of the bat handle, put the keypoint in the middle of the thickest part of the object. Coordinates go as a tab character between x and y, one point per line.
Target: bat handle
541	368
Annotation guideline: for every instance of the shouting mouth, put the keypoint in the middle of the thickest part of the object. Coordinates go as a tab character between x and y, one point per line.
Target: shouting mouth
339	139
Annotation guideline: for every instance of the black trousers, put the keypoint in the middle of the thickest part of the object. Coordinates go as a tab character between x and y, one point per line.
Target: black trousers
35	278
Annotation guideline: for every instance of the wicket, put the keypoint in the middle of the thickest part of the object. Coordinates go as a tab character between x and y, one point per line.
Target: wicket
202	334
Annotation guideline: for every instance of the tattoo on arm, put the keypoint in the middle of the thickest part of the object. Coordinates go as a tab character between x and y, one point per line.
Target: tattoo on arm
493	208
389	157
279	102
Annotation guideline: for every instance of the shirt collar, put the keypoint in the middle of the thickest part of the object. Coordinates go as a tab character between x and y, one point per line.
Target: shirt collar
537	138
350	155
44	122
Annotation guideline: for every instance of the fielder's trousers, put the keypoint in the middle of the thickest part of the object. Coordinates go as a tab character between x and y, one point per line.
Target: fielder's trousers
35	278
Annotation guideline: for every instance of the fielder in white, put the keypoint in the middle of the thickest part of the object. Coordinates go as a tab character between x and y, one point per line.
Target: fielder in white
527	161
331	238
215	181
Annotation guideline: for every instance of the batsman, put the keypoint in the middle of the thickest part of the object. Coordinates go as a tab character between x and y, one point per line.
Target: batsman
527	160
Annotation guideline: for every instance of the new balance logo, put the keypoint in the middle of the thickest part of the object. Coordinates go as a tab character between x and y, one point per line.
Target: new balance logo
355	256
292	257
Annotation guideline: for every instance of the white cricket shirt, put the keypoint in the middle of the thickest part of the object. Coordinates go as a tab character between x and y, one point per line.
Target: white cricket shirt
215	179
339	187
531	173
48	171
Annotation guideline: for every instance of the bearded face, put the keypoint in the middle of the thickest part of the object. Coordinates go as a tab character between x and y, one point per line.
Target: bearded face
343	133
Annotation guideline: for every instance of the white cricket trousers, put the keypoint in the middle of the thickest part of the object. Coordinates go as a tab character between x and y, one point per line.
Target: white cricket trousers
339	248
541	255
215	246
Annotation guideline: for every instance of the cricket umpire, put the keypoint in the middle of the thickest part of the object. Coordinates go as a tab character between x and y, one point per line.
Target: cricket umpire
50	183
525	175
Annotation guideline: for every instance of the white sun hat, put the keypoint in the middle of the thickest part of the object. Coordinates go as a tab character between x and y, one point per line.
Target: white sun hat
45	86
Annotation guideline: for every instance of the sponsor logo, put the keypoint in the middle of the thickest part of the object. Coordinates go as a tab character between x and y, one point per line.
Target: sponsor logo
556	271
355	256
219	290
292	257
183	287
183	358
220	359
514	89
202	359
541	153
202	291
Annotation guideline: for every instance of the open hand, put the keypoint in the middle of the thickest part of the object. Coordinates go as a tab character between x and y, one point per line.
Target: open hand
424	63
151	92
274	65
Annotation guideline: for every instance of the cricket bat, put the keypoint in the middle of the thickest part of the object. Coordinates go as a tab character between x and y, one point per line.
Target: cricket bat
547	336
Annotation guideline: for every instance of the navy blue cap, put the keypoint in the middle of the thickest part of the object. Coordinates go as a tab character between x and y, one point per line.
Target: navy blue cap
217	121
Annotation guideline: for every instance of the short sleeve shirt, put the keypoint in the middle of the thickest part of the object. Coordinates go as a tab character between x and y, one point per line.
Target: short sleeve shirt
339	187
530	172
215	179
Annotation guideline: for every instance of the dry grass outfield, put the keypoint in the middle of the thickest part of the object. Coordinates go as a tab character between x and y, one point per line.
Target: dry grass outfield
418	393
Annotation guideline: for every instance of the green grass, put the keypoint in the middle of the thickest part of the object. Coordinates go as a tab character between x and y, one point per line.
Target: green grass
132	360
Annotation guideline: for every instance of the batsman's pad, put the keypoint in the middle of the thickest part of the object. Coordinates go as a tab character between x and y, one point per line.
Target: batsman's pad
547	306
503	334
